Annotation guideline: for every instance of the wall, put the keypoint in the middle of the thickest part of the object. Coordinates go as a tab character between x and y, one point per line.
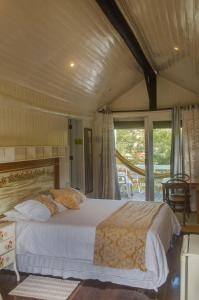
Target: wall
168	94
24	126
77	151
20	125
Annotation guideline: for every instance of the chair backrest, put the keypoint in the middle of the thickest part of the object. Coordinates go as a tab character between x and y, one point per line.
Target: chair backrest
182	176
176	185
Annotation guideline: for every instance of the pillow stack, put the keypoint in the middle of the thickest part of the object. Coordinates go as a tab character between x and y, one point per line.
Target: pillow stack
46	205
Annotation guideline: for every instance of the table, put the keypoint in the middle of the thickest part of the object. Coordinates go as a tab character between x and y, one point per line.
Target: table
193	184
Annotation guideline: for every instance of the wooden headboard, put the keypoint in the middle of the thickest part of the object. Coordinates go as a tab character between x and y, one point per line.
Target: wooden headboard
22	180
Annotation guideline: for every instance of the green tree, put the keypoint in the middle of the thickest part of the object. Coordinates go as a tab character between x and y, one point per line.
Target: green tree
131	144
161	146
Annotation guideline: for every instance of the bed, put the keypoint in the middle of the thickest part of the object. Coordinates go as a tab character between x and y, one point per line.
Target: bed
64	245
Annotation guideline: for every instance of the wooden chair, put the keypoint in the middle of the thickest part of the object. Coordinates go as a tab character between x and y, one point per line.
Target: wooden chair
182	176
176	194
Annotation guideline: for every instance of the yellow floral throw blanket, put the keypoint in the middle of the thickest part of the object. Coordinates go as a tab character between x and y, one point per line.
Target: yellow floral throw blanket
121	238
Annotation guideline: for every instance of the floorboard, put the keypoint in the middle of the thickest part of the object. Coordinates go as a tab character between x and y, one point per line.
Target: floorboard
95	290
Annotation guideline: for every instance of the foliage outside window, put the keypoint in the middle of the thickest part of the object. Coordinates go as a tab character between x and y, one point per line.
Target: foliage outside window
130	143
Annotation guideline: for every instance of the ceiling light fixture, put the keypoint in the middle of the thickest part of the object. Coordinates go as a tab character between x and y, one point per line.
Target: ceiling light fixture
176	48
72	64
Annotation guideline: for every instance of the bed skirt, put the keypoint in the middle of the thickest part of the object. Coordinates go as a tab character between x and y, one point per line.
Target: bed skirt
82	269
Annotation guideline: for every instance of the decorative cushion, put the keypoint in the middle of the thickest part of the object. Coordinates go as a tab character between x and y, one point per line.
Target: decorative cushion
44	199
59	206
69	197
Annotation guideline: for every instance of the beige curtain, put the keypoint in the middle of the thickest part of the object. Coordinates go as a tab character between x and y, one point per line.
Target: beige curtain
107	186
190	129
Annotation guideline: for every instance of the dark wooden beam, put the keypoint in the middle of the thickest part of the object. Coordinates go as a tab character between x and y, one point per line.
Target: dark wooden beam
151	84
116	18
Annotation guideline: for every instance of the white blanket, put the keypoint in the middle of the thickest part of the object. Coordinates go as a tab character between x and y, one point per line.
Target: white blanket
71	235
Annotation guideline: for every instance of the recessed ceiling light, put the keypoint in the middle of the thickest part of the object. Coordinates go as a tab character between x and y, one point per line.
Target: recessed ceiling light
176	48
72	64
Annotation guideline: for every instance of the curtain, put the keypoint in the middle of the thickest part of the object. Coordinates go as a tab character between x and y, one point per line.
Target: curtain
190	125
176	143
108	187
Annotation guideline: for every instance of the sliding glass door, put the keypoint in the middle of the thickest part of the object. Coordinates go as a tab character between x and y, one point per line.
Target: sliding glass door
130	155
143	157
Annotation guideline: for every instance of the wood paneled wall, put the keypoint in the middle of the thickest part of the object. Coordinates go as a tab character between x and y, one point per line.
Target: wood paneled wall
20	125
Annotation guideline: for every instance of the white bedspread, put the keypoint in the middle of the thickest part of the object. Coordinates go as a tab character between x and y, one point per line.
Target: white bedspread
70	236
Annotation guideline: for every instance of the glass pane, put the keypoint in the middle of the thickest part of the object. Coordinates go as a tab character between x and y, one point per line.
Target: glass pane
161	158
130	143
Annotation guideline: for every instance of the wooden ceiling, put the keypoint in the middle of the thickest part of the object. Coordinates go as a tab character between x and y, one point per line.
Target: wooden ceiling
41	38
161	26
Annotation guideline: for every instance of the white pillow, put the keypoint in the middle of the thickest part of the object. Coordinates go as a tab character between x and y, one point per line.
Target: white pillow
14	215
34	210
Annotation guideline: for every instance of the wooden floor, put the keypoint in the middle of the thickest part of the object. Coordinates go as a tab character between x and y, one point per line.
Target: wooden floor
95	290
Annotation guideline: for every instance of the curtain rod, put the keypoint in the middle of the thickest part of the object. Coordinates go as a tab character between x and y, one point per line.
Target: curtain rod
127	111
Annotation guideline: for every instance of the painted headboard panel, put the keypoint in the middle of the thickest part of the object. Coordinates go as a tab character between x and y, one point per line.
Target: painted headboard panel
21	180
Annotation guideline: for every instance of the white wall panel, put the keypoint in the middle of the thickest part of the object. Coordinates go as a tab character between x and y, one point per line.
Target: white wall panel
24	126
168	94
136	98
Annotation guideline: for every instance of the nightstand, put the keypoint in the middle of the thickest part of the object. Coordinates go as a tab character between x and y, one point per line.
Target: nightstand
7	246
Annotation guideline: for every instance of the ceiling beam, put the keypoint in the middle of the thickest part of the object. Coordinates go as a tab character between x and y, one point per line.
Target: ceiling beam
151	84
116	18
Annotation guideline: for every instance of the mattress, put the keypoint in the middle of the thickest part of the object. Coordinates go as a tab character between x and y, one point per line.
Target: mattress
64	246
